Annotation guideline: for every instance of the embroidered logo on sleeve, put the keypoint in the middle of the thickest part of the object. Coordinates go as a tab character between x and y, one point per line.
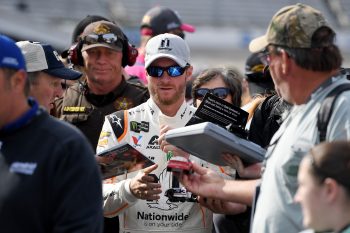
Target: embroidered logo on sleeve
23	168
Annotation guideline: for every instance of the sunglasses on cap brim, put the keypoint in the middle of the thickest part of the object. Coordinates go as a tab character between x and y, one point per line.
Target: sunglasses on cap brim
221	92
172	71
109	38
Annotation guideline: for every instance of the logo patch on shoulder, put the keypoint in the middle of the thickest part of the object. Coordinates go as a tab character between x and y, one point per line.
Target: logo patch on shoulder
25	168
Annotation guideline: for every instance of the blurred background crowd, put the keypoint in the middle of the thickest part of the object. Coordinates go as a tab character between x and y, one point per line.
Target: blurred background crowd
224	28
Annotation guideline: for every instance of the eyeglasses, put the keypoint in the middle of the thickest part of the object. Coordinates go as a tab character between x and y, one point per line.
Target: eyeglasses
276	50
173	71
109	38
221	92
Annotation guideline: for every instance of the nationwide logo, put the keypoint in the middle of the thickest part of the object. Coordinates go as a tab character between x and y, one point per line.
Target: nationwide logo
153	143
139	126
162	217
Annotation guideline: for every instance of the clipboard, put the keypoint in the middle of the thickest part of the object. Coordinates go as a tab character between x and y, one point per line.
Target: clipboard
208	141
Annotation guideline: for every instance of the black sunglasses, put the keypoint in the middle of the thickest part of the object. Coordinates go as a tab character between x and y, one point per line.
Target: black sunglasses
173	71
109	38
221	92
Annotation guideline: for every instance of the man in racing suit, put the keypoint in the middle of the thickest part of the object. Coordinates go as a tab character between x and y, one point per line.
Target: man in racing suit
136	197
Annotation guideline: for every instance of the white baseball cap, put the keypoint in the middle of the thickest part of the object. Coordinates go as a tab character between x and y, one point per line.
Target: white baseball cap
42	57
167	45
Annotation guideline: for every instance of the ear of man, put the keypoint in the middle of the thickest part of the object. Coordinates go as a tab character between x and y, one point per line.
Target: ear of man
189	72
286	62
18	81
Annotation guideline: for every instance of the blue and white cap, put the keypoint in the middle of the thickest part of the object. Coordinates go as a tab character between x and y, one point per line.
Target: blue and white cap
42	57
10	55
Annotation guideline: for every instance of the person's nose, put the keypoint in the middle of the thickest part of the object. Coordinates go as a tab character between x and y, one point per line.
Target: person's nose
166	76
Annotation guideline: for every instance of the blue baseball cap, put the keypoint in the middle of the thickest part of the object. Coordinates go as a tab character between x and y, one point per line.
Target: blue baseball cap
10	55
42	57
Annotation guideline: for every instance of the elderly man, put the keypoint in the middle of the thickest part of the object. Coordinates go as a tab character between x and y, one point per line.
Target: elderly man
103	50
45	72
304	64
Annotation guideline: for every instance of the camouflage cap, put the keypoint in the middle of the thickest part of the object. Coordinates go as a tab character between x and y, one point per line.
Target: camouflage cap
292	26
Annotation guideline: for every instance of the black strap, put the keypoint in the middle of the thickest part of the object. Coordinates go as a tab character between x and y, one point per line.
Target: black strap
326	109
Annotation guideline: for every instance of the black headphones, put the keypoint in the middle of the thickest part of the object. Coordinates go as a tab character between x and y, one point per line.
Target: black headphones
130	53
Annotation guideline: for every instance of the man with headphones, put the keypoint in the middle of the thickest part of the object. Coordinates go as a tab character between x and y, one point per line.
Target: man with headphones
103	50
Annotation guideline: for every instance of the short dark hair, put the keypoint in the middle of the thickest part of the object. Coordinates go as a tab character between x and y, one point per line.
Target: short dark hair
323	55
231	77
9	72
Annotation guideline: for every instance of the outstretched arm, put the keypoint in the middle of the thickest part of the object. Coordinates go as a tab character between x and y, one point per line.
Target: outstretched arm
207	183
222	207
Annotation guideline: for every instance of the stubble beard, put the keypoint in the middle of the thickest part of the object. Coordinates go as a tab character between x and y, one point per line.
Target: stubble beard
180	91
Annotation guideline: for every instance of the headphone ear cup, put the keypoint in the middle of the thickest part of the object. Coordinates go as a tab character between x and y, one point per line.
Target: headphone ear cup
74	54
130	53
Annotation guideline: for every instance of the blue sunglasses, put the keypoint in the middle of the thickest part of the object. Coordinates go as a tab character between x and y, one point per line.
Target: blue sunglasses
221	92
173	71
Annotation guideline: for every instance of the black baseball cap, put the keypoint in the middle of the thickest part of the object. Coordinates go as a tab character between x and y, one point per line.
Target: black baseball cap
79	28
258	73
159	20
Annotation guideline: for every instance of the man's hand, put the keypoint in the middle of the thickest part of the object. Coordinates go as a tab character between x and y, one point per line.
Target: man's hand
204	182
145	187
222	207
166	147
251	171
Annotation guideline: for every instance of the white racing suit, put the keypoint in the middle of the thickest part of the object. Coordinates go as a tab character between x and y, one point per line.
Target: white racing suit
140	127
